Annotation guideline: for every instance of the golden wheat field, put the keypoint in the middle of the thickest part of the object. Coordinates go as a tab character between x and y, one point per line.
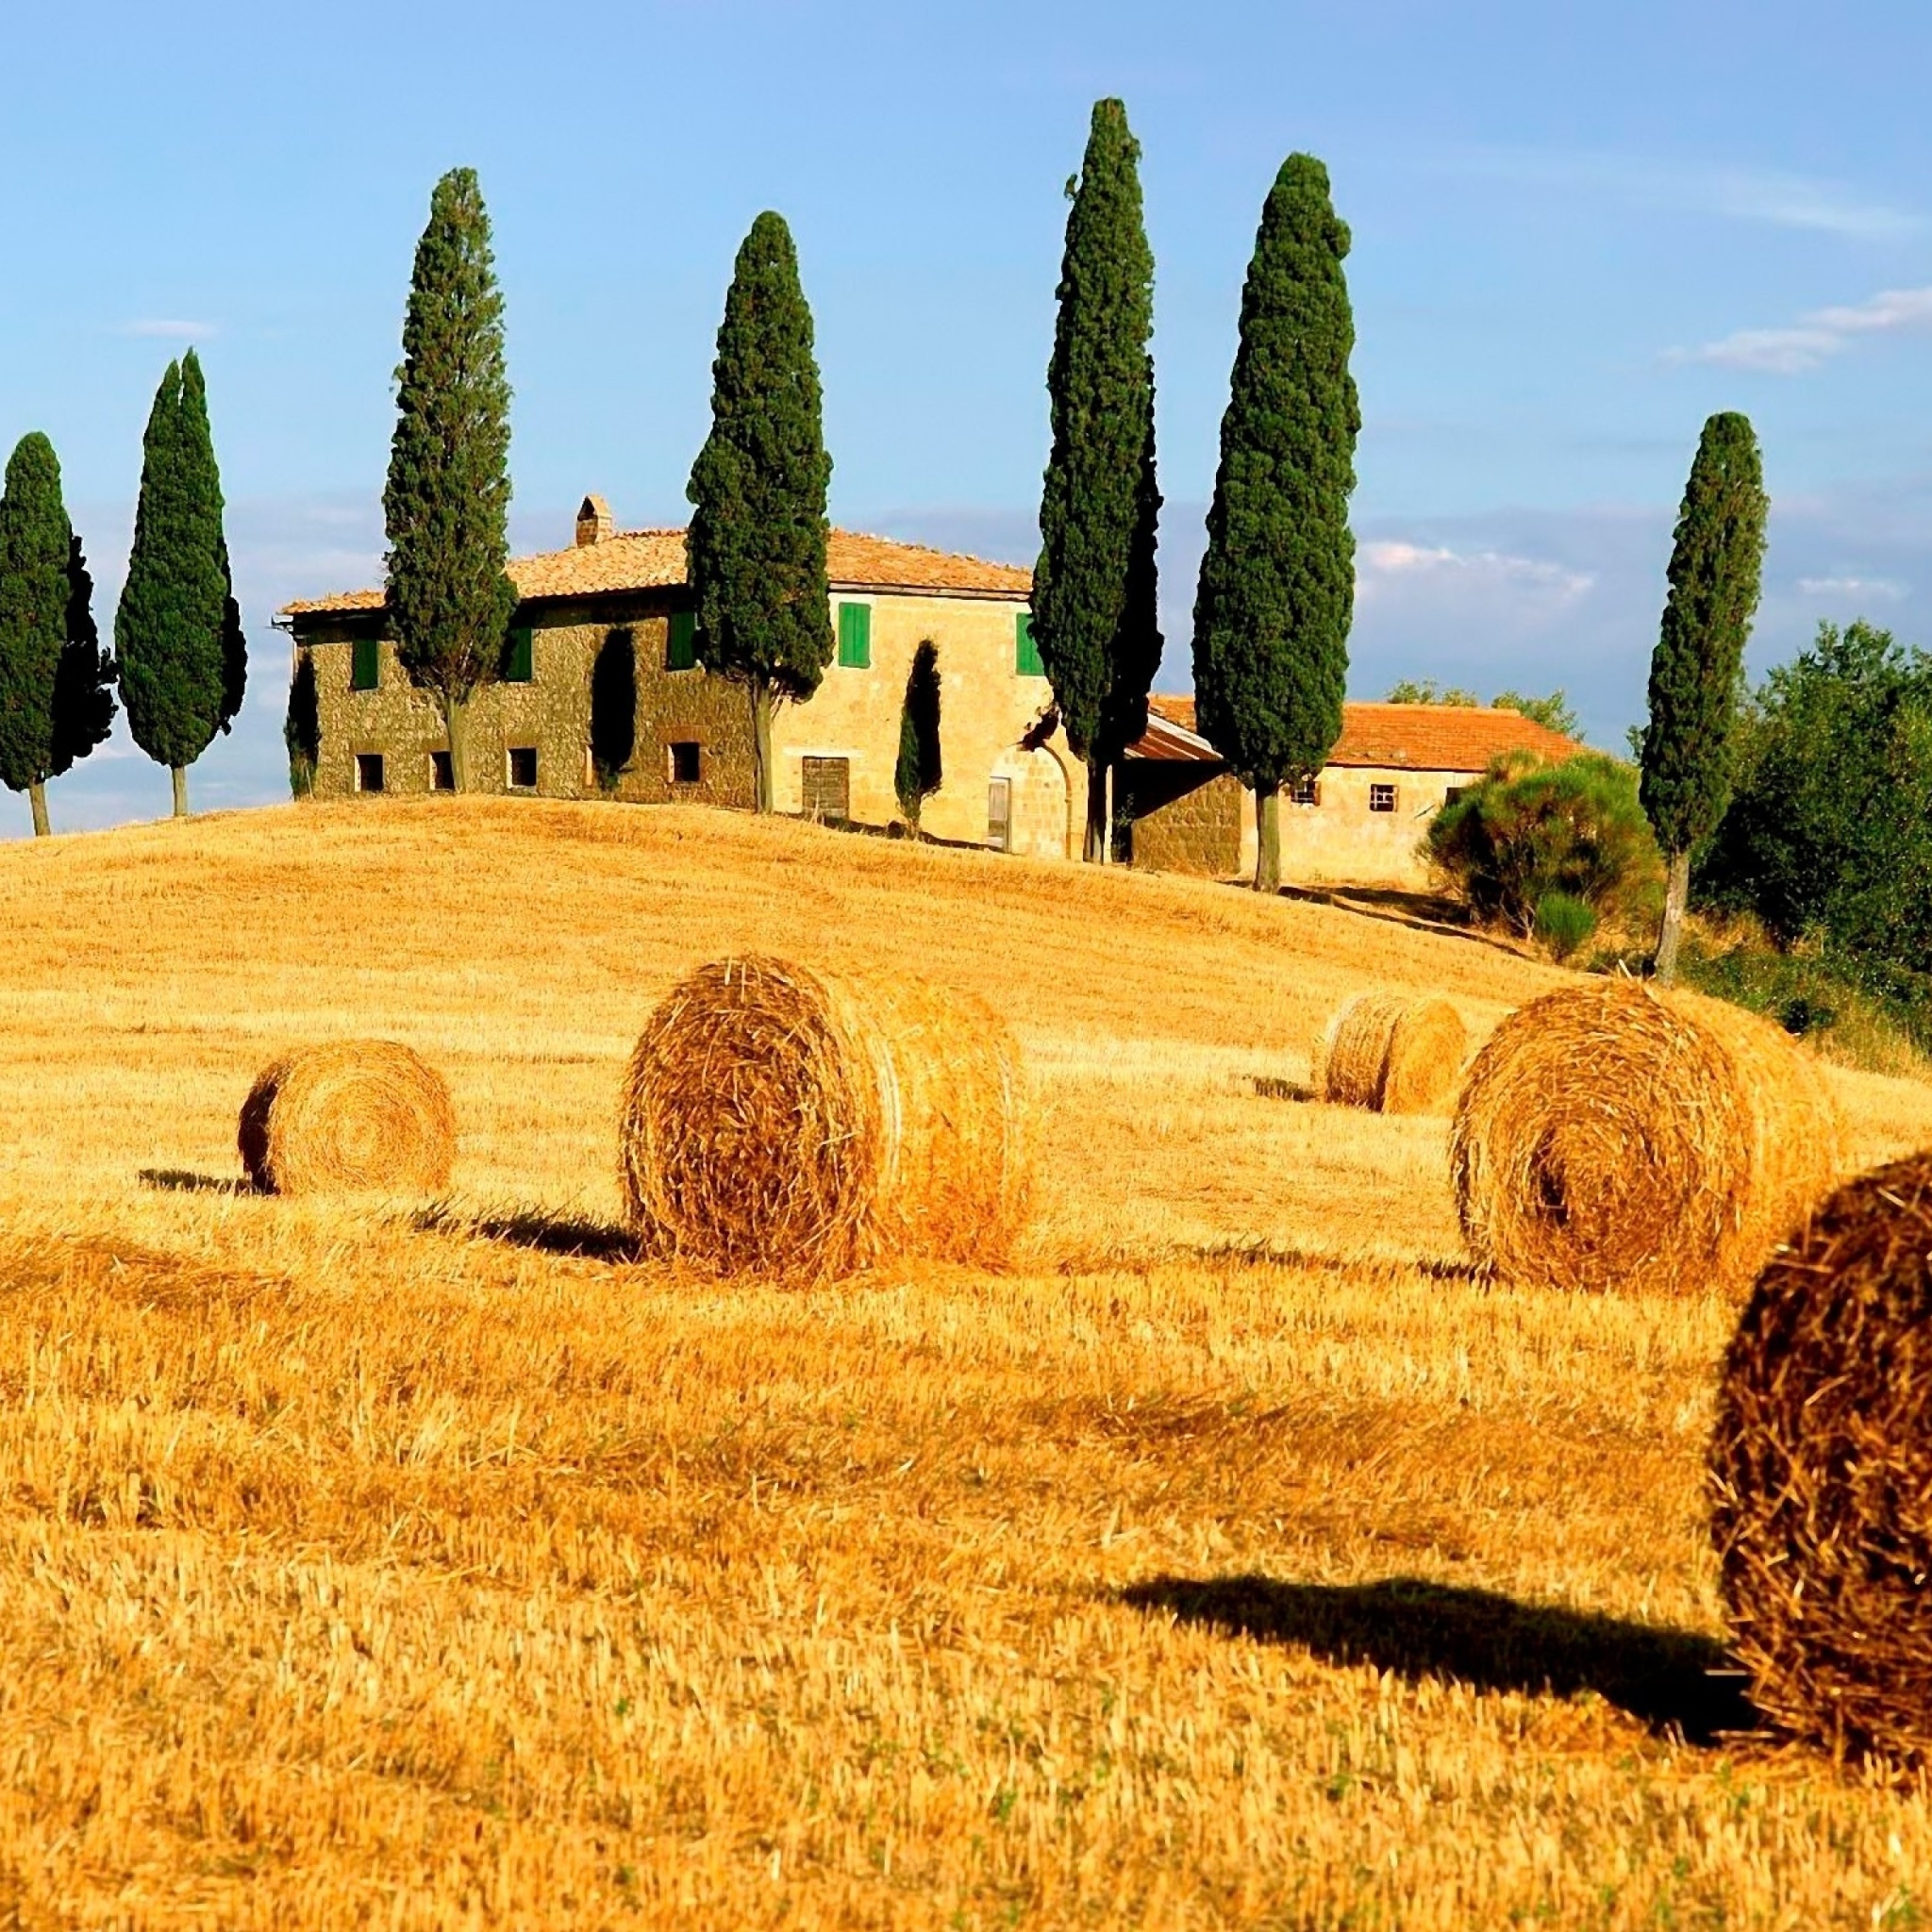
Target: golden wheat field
1234	1559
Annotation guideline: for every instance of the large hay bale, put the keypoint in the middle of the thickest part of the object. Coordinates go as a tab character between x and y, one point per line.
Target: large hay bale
347	1117
803	1124
1822	1465
1611	1134
1390	1052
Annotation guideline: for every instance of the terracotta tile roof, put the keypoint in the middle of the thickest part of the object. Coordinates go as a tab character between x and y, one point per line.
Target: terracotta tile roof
1410	738
654	560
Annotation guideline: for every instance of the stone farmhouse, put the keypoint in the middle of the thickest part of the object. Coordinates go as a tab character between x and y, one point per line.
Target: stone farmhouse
609	623
1359	821
599	658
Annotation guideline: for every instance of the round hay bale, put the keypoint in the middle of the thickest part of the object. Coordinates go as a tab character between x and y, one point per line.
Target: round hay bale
1611	1134
1822	1468
347	1117
803	1124
1394	1055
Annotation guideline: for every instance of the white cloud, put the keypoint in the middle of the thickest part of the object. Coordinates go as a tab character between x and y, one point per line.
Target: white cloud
1889	588
1380	562
1814	337
168	330
1748	194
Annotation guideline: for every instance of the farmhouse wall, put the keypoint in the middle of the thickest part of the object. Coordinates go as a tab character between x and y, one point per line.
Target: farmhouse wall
1342	841
1182	821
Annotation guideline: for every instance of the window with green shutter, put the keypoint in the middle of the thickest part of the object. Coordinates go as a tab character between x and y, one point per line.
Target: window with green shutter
1025	652
855	636
519	656
365	664
681	642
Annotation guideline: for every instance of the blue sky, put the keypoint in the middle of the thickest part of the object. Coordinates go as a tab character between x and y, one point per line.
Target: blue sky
1577	231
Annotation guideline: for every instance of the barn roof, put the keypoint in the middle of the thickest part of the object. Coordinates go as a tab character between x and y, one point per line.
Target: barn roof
1408	738
655	559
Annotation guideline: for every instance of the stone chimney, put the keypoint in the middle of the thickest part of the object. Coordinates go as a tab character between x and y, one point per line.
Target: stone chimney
595	524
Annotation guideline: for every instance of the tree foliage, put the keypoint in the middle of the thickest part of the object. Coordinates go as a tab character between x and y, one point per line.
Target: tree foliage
1528	828
302	728
1715	562
446	503
172	629
1554	712
1829	832
757	491
34	590
1095	608
1277	592
920	772
84	703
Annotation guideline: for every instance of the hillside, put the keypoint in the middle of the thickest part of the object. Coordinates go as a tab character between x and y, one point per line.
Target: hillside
1209	1567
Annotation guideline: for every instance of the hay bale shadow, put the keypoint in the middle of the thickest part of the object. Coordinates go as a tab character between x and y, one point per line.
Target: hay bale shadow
182	1180
576	1238
1674	1682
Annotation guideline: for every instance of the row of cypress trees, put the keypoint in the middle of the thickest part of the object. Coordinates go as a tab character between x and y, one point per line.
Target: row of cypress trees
182	662
1275	596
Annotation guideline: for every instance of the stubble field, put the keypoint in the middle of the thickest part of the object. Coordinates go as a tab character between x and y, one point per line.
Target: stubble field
1237	1557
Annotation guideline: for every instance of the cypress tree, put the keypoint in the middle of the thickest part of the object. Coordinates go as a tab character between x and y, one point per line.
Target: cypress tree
84	704
1095	616
34	590
1276	592
758	491
446	504
172	627
302	728
920	772
1716	560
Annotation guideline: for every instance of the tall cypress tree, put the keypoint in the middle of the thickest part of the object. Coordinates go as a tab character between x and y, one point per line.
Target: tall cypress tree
1095	615
758	491
446	505
172	627
1716	561
34	590
1276	593
919	771
198	448
302	728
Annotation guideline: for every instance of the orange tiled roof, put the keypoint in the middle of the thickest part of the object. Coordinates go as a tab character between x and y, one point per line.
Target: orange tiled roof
655	559
1410	737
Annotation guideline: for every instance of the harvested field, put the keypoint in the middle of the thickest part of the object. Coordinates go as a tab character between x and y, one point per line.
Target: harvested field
1233	1556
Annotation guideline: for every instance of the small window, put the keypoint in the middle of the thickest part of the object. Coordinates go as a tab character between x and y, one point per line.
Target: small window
1452	794
1025	652
365	667
828	790
855	636
999	814
519	656
687	761
368	771
1381	798
1304	791
442	776
522	768
681	640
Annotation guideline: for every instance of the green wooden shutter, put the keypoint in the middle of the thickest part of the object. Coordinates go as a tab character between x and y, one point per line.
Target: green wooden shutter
365	668
518	660
680	641
1025	652
855	636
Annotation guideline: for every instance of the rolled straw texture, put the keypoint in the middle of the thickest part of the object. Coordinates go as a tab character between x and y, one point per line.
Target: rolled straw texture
347	1117
1393	1054
803	1124
1614	1136
1821	1472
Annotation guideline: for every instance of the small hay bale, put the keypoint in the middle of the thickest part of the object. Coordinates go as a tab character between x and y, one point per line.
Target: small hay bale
1394	1055
1821	1470
1611	1134
804	1125
350	1116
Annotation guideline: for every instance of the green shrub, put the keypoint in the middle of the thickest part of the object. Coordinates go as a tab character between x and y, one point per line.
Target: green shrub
1563	923
1528	828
